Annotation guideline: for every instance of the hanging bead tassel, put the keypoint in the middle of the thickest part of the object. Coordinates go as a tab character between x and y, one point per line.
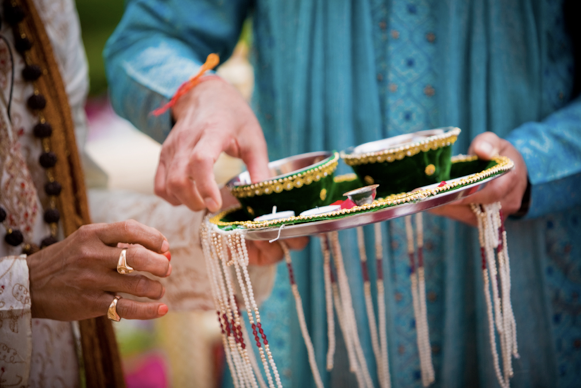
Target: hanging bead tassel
385	375
328	302
420	310
234	358
353	364
347	307
237	246
369	306
223	250
422	295
301	316
491	235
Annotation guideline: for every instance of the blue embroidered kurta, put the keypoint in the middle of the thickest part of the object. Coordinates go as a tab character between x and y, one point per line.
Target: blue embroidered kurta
332	74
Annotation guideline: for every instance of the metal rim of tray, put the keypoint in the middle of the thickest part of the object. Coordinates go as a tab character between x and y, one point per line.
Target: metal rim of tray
361	219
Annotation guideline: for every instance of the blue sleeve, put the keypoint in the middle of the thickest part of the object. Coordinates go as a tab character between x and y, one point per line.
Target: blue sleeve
552	152
160	44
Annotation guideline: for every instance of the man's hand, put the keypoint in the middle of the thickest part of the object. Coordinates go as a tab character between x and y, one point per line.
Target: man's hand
508	189
212	118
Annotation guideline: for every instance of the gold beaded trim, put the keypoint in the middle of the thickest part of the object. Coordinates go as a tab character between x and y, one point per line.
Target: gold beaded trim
464	158
345	178
289	182
393	154
503	164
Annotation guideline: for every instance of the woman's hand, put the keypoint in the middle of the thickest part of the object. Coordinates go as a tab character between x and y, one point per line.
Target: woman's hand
212	118
508	189
77	278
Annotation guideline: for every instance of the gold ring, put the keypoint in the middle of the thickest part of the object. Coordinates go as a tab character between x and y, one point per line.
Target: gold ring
122	266
112	311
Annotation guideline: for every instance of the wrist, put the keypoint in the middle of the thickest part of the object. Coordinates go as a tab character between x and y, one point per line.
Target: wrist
525	202
192	98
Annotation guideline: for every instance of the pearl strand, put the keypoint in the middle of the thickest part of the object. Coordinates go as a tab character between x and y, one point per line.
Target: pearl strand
422	294
233	244
301	316
386	378
347	304
233	313
369	303
328	301
353	365
244	253
217	301
226	317
422	341
484	252
225	311
252	356
492	226
503	249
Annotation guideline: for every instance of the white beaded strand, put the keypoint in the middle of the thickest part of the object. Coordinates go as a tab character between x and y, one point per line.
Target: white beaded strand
226	311
353	364
422	342
347	305
369	304
301	316
492	235
233	315
217	302
244	253
422	295
252	356
233	245
385	375
328	301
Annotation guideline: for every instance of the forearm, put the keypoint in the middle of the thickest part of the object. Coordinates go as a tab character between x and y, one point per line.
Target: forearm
552	152
159	45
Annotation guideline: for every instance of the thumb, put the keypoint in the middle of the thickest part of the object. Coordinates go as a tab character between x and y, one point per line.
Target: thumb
485	146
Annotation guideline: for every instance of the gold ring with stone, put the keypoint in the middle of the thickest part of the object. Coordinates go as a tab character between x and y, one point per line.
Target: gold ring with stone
112	311
122	266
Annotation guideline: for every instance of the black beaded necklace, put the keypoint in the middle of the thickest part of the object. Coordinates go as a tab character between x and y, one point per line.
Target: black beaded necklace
13	15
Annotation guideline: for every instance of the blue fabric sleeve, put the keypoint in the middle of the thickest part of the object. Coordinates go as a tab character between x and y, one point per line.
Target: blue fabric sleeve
160	44
552	152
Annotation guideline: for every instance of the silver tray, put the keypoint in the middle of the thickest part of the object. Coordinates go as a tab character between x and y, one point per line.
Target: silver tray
355	220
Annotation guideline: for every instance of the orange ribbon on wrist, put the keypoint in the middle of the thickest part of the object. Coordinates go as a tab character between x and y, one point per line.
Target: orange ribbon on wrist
211	62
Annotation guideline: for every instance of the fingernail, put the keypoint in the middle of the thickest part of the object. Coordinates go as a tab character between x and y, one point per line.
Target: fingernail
162	292
162	310
168	271
168	255
165	246
487	148
211	204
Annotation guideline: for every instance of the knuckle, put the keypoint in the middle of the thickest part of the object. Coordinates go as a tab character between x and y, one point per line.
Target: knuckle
140	286
85	232
126	310
131	227
176	182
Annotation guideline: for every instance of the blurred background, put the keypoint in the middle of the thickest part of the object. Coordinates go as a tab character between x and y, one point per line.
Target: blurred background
182	349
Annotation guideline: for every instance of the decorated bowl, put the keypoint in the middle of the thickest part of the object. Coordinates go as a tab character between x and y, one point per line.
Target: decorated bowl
402	163
299	183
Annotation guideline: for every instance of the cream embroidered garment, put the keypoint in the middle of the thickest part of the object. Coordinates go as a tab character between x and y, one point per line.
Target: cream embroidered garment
34	352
